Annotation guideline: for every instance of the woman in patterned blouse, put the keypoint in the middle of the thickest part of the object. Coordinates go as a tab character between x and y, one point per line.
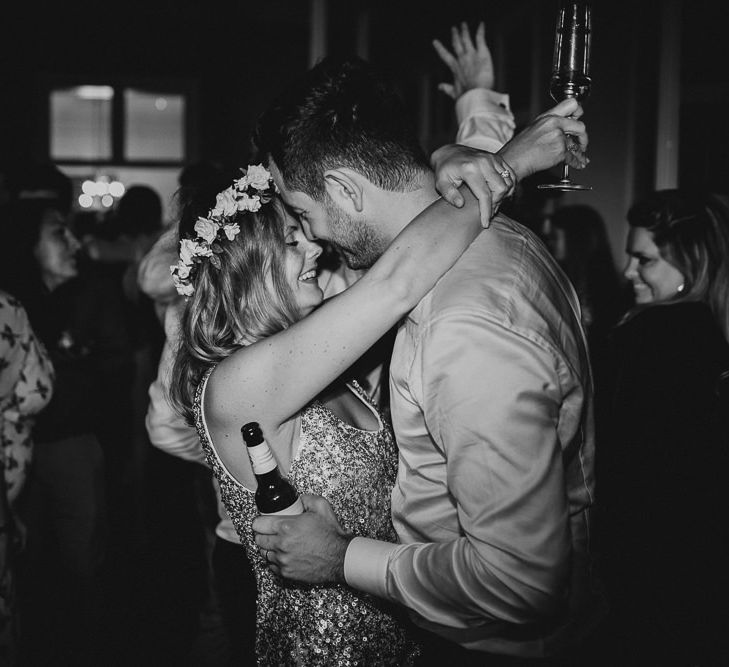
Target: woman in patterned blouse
26	382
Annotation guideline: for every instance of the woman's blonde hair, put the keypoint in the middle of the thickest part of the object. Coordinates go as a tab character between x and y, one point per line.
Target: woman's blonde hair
246	299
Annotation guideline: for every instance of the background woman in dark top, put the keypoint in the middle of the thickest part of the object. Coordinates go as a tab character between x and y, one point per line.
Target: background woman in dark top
664	448
80	319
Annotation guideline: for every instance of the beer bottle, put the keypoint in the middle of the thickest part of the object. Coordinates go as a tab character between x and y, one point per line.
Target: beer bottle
275	494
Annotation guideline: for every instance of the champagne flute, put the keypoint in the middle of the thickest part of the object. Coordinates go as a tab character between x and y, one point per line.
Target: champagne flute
570	68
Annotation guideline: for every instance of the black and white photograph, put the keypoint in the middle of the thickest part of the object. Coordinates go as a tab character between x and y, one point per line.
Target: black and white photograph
364	333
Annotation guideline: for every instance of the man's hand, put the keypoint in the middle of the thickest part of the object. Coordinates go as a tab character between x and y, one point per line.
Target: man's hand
472	67
308	547
488	176
545	142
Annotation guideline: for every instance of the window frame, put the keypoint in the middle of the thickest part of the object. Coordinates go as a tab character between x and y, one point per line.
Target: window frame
186	88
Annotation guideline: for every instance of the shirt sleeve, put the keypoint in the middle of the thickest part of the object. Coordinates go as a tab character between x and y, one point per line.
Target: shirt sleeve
491	401
484	119
365	565
154	277
167	430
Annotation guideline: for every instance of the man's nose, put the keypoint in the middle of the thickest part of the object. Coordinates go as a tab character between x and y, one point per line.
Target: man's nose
306	228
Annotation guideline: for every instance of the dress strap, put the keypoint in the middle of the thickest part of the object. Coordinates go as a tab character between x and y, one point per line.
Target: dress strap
359	390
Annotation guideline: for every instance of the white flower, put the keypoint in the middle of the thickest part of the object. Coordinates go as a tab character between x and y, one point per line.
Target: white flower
187	250
225	204
184	289
202	250
190	249
257	176
231	230
182	282
246	203
206	229
181	270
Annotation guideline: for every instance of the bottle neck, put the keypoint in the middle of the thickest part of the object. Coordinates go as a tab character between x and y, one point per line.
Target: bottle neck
262	459
272	477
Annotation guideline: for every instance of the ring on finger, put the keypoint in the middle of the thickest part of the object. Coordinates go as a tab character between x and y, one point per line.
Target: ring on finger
265	555
505	174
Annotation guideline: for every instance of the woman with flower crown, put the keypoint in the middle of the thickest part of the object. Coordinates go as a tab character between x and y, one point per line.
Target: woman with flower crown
257	344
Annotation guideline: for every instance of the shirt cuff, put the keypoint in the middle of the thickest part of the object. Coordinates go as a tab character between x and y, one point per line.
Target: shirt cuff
479	101
365	565
485	121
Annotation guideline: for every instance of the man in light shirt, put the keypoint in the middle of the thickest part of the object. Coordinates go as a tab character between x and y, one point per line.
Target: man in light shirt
491	391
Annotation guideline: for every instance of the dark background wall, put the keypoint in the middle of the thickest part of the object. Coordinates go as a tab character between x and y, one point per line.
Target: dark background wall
233	57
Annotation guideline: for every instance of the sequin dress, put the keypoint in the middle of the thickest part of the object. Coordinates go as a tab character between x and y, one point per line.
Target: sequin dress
324	625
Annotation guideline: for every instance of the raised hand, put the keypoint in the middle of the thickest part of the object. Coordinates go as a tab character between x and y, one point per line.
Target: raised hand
471	65
545	143
488	176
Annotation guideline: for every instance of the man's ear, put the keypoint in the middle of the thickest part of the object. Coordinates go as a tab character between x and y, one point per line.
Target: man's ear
344	187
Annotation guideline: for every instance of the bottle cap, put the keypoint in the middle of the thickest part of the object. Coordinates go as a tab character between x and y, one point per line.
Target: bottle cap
252	434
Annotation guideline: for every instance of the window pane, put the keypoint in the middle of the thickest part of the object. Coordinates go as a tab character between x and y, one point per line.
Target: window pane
81	123
154	126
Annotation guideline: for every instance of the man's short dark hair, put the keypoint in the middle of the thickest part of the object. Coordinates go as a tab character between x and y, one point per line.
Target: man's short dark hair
343	114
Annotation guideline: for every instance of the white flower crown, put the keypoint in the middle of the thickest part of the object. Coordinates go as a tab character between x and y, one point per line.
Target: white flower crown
246	194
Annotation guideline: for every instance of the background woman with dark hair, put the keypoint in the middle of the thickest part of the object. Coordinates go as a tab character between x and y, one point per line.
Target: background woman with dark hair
665	436
81	322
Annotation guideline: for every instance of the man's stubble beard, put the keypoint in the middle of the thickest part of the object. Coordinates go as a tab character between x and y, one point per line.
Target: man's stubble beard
360	245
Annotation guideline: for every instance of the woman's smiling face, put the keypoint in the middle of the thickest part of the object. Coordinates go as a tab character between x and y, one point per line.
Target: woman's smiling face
653	277
301	266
